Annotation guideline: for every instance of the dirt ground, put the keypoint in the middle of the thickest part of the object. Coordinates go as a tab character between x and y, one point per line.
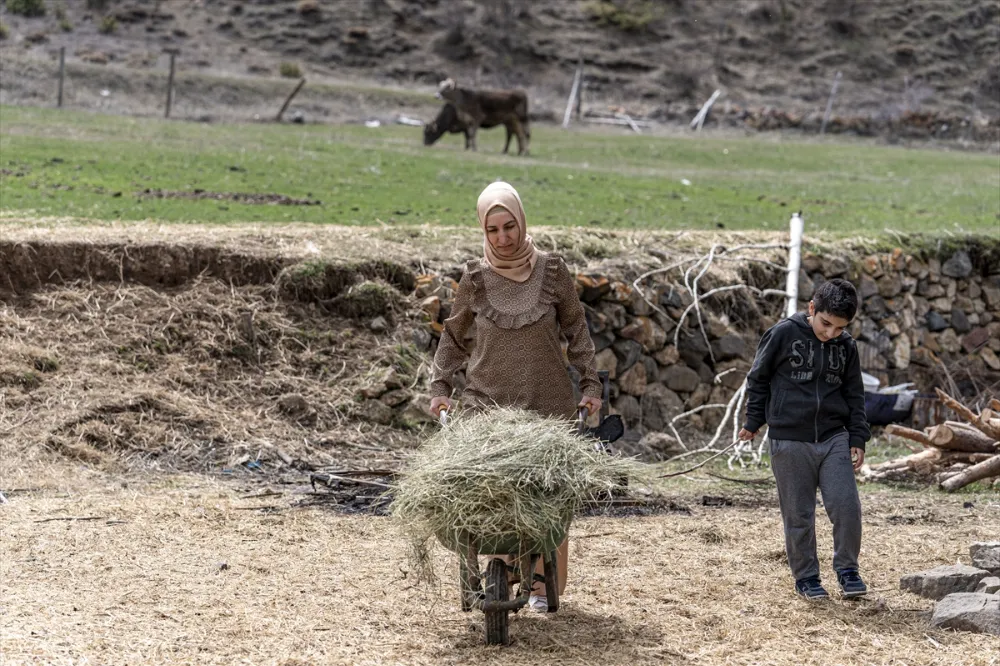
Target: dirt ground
99	568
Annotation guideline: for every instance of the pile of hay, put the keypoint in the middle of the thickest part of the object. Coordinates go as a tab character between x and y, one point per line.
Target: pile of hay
500	473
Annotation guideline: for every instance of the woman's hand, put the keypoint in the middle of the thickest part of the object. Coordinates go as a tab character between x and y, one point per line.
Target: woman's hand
745	435
593	405
439	403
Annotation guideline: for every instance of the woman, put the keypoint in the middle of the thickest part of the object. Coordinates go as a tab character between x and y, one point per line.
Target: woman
521	301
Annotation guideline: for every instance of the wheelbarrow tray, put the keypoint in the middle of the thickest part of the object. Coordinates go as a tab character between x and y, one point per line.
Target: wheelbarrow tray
459	540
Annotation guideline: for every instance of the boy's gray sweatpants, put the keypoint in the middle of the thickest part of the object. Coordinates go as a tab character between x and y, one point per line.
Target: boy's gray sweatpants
799	468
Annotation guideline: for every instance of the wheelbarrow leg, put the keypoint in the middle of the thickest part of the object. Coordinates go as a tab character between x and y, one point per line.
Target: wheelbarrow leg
468	576
551	569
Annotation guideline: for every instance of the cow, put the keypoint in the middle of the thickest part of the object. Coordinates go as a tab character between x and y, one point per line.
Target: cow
447	121
487	108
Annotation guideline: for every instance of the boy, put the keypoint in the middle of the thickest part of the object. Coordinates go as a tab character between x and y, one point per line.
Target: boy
805	384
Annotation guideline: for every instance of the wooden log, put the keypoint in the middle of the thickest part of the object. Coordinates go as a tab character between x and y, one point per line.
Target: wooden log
927	455
984	470
949	437
985	427
908	433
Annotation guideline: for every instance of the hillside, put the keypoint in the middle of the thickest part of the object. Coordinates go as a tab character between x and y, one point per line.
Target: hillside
659	57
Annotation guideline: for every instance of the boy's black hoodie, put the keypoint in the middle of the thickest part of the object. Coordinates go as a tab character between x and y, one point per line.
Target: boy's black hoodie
806	390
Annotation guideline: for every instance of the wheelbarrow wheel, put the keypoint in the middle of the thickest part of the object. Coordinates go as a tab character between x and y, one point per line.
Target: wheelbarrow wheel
552	581
497	590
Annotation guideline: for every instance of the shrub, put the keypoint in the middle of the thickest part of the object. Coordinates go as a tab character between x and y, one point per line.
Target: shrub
108	25
4	31
290	70
631	16
26	7
65	25
99	5
308	7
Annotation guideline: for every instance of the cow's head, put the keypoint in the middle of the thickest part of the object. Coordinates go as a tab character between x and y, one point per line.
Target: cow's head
446	89
431	133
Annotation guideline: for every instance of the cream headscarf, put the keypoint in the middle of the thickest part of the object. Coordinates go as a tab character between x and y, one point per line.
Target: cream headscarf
518	265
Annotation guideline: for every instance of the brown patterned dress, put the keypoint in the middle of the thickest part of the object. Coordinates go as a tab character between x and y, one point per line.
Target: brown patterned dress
516	358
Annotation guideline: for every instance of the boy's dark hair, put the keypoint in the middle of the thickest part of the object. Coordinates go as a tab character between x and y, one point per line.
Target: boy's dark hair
837	297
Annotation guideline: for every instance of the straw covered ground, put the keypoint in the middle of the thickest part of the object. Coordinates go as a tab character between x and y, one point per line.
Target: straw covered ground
113	569
164	393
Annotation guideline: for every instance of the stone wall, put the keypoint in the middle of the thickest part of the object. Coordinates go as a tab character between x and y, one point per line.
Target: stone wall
917	313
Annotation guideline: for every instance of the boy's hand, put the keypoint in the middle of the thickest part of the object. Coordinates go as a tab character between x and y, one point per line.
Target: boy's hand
746	435
857	457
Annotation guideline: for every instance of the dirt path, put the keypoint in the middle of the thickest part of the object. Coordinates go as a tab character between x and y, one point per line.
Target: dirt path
190	570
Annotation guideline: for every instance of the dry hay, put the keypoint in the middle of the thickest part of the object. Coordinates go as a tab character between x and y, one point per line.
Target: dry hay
201	377
190	570
499	474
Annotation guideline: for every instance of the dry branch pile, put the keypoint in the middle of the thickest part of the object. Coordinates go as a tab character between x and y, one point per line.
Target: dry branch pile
956	453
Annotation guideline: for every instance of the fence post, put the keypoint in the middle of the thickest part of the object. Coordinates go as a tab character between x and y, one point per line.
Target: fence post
579	90
572	98
289	99
170	82
62	74
829	103
794	263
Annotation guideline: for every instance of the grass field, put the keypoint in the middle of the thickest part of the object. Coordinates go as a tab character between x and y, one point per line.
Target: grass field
93	166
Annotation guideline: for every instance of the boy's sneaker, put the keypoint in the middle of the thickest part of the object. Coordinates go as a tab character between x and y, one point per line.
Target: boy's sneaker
851	584
538	603
811	589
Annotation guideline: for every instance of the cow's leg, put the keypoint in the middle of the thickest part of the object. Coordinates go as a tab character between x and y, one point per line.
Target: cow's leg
468	138
522	140
472	135
510	134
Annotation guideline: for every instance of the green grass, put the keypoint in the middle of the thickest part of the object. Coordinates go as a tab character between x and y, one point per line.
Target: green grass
93	166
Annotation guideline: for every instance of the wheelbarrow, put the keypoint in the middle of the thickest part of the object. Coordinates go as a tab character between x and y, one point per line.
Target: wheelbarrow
490	591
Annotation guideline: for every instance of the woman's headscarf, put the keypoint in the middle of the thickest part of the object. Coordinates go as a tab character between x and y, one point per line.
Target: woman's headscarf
518	265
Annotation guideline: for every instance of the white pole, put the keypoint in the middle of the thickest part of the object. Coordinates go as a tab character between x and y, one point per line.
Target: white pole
829	103
794	263
699	119
572	97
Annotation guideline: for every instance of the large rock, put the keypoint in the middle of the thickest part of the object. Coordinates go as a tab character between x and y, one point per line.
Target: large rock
989	585
991	295
699	397
692	346
986	555
935	322
659	405
729	346
629	408
959	321
867	288
901	352
890	286
968	611
603	340
633	381
875	308
949	342
653	447
592	288
680	378
958	266
667	356
615	315
606	360
645	331
628	352
939	582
